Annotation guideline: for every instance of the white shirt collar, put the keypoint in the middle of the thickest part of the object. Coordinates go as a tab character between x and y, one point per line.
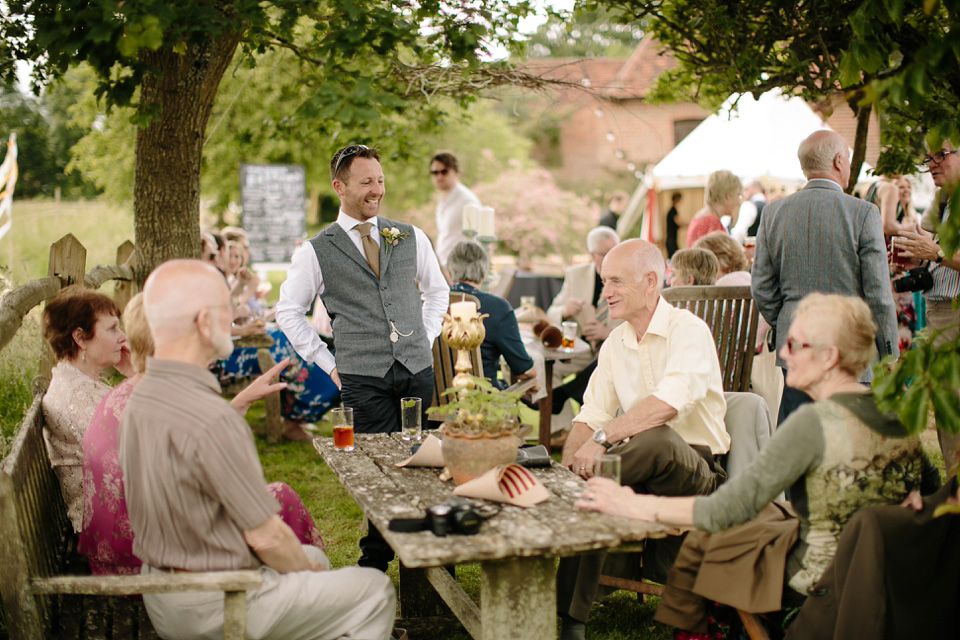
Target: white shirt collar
348	222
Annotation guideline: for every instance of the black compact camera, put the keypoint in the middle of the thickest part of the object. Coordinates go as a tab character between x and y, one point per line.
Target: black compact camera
917	279
456	515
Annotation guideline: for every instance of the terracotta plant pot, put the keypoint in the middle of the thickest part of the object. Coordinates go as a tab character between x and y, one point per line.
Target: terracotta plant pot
467	458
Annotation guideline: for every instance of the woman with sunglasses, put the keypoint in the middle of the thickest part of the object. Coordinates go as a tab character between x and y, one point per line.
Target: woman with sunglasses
834	456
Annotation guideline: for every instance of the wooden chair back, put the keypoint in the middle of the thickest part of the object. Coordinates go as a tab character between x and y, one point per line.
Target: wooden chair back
445	357
732	316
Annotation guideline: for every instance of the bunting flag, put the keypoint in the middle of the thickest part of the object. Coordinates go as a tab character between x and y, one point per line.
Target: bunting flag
8	180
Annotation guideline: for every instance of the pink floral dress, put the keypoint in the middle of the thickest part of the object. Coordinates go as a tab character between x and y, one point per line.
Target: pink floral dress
107	537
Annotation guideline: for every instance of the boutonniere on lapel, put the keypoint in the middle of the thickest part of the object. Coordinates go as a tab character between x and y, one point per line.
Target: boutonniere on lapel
393	236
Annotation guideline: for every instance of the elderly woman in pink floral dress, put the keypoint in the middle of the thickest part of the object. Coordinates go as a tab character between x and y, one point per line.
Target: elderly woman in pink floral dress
106	537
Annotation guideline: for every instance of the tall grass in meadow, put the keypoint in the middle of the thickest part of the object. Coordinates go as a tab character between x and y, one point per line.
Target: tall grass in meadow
100	228
19	363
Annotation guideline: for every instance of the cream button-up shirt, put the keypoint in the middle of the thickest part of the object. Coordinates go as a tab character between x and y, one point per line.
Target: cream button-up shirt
676	361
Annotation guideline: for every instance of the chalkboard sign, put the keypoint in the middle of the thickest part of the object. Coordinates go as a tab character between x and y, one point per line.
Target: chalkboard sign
273	198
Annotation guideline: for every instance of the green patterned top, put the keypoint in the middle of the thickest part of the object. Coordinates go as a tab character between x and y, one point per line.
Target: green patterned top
834	456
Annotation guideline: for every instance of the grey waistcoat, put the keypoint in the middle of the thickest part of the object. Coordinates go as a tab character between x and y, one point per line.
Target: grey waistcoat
362	307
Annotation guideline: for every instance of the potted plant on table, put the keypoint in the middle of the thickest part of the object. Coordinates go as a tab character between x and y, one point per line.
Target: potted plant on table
480	429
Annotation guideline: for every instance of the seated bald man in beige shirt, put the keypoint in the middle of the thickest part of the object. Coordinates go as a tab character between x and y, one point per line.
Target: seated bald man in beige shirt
656	398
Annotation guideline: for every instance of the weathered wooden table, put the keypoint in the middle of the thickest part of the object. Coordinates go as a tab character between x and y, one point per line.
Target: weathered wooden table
515	549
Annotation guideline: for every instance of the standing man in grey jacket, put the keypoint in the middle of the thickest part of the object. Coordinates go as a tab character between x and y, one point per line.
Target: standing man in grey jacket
382	286
820	239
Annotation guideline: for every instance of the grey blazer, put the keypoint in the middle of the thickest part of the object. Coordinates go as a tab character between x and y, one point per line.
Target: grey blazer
820	239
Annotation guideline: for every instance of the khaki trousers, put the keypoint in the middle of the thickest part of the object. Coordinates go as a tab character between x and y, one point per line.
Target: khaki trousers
353	602
655	461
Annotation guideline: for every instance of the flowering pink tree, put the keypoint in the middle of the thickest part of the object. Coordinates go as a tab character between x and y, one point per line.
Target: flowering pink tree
535	218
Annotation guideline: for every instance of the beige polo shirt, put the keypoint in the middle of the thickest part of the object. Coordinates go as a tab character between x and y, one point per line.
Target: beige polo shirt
192	478
676	361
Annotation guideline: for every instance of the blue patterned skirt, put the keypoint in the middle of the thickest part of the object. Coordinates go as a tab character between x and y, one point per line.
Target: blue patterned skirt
310	391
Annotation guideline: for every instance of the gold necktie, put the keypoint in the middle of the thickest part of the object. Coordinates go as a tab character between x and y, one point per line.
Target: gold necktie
371	250
603	311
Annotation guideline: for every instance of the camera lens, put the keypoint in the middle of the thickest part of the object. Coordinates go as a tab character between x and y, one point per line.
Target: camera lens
466	521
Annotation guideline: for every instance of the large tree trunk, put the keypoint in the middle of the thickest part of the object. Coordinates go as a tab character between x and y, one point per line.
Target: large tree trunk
860	141
166	190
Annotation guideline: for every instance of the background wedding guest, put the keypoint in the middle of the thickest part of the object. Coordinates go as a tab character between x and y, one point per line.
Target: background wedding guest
468	265
693	267
722	198
453	197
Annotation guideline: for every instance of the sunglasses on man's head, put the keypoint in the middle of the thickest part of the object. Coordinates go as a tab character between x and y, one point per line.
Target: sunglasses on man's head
348	152
439	172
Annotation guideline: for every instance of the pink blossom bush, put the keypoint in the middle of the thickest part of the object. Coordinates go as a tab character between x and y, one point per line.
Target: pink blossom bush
535	218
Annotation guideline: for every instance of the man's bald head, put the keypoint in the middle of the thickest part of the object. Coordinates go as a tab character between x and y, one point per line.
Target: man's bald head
176	292
825	154
645	256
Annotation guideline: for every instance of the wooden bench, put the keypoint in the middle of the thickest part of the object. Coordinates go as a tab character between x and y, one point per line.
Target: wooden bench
47	591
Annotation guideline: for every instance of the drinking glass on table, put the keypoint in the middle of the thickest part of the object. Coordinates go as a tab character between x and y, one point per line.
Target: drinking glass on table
607	466
569	335
410	412
528	302
342	428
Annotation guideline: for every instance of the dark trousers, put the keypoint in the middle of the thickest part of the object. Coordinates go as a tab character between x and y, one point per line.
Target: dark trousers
376	409
574	389
790	400
656	461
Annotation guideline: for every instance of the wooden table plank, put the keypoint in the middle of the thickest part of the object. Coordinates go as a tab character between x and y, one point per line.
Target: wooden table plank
553	528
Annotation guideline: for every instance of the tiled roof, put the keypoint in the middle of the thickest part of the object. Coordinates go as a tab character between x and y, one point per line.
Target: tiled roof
616	78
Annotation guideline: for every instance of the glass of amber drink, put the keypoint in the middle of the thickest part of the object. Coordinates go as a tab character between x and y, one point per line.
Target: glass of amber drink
569	336
342	428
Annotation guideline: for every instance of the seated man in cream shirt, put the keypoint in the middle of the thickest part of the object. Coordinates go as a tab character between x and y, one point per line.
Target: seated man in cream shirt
656	398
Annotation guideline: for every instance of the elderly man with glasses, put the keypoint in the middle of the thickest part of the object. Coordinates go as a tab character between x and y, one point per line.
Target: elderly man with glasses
454	196
944	167
382	286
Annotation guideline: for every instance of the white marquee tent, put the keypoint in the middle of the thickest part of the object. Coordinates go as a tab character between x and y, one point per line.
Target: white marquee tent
755	139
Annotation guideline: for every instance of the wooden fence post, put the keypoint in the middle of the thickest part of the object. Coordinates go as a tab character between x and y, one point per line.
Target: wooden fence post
68	259
125	289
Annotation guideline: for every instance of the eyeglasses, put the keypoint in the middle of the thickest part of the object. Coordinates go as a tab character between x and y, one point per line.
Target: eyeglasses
793	346
348	152
937	158
440	172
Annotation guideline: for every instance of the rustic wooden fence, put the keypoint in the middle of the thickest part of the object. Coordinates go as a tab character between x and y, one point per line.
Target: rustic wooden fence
67	266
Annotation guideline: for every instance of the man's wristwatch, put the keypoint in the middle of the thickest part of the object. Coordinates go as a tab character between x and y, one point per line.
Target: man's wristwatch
600	437
940	255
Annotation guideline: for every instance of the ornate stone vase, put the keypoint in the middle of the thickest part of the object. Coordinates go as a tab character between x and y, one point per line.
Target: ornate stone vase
469	456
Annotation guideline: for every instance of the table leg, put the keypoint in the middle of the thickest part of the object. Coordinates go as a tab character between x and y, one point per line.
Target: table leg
518	599
272	401
418	598
546	405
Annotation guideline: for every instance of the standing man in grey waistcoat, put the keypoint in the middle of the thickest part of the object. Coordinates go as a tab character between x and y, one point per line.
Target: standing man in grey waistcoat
382	286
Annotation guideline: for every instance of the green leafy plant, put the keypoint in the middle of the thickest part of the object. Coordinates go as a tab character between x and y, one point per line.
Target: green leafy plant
925	375
479	409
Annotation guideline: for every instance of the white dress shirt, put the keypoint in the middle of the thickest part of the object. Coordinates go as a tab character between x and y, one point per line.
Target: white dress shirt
450	219
746	217
304	282
675	361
